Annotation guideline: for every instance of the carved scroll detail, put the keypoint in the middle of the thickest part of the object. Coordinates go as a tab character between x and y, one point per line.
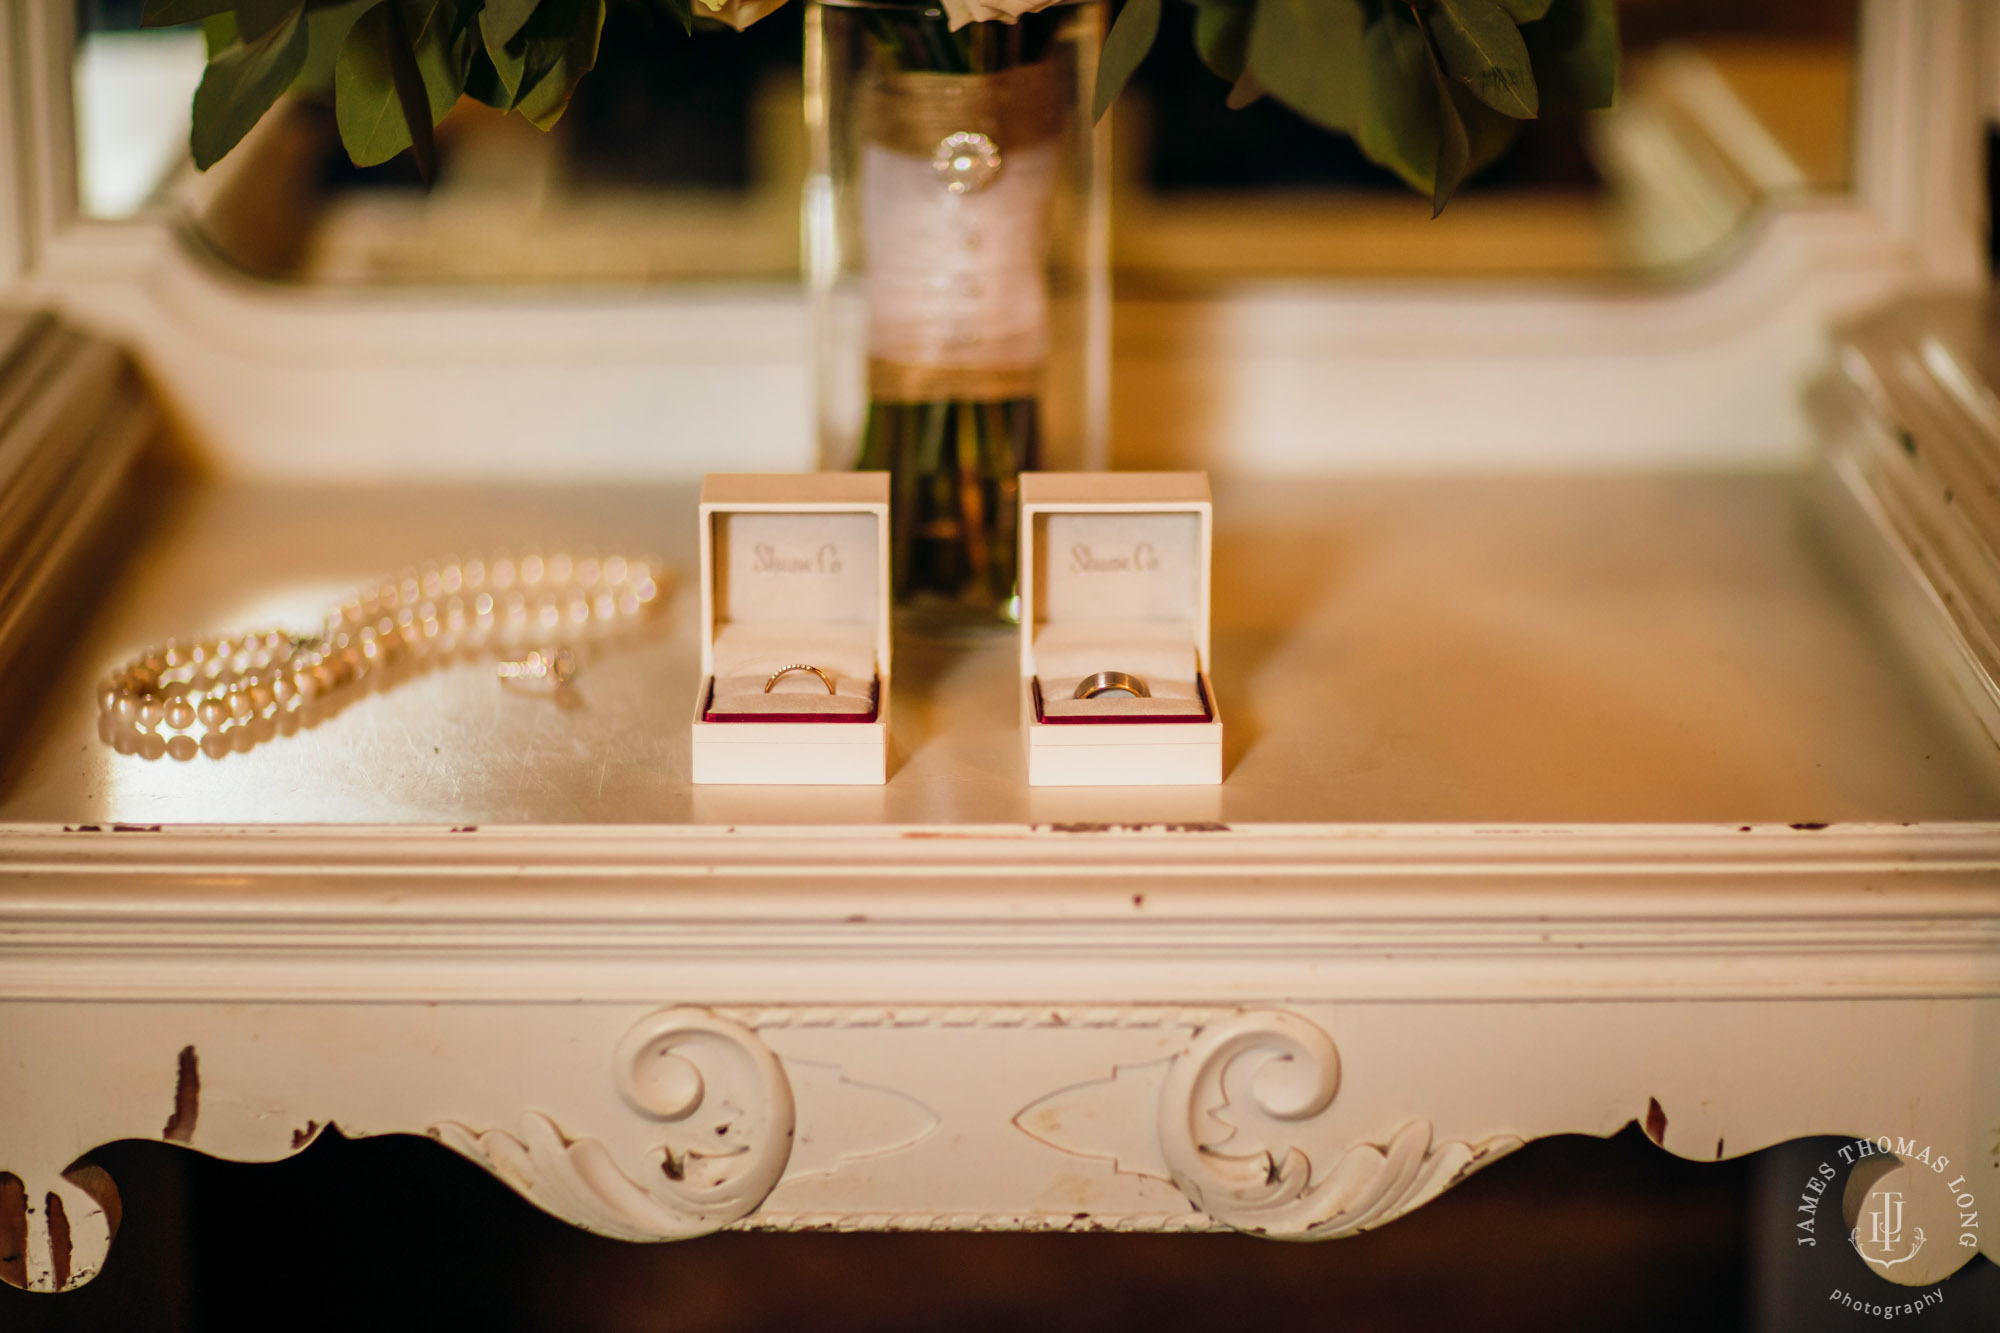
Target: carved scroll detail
727	1112
1237	1113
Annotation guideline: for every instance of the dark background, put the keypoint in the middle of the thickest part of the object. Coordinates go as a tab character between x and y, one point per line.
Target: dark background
1568	1233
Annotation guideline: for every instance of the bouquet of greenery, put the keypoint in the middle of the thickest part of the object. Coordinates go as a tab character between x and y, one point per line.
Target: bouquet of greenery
1432	89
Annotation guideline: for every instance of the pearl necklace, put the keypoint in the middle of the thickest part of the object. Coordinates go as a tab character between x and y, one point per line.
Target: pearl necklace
499	601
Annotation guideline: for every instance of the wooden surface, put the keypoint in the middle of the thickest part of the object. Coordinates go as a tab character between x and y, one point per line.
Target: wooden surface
1636	649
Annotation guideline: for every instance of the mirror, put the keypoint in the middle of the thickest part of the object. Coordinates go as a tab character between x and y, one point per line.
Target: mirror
132	88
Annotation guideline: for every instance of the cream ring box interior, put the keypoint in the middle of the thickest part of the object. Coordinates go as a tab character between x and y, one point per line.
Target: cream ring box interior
794	572
1115	577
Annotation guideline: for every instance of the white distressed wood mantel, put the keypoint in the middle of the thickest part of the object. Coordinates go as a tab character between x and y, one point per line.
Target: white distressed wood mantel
657	1032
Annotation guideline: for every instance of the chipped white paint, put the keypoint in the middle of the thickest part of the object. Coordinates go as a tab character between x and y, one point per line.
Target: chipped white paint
70	1218
921	1100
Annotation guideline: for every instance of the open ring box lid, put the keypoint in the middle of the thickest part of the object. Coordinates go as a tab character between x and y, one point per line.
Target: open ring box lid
1115	577
794	571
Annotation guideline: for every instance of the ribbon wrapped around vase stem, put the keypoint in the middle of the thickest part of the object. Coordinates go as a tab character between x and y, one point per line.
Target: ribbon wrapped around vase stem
958	174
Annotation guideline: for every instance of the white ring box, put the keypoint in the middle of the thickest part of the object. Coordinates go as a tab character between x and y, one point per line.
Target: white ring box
794	570
1115	577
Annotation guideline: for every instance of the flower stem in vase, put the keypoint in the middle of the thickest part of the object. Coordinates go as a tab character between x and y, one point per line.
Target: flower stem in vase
960	170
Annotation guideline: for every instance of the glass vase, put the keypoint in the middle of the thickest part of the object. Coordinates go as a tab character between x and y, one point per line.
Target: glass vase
956	249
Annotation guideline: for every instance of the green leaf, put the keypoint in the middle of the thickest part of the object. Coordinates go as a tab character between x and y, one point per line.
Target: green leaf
1131	37
218	34
510	66
326	31
561	43
1399	127
364	92
1244	91
240	85
1483	49
254	18
1575	54
1309	54
1471	137
365	102
412	98
1454	153
502	20
1222	35
1525	11
167	13
482	82
1489	132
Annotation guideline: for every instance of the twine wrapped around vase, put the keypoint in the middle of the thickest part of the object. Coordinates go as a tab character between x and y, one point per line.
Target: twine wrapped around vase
911	110
958	174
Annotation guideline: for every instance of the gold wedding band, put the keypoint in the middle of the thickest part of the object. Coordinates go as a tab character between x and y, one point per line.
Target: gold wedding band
782	672
1104	682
